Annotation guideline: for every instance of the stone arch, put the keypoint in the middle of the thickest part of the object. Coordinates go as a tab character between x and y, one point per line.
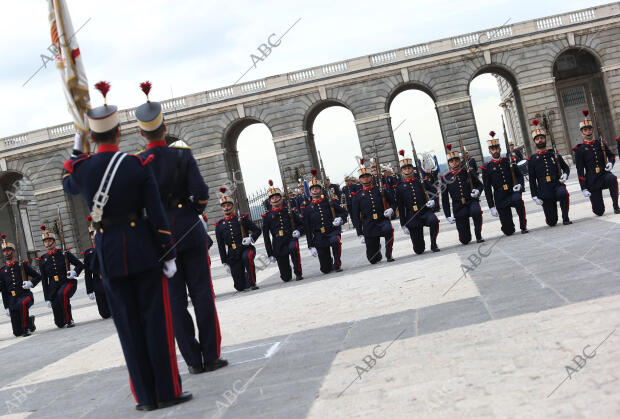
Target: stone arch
17	203
409	86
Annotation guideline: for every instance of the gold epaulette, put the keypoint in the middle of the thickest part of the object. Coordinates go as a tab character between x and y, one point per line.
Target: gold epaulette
178	146
141	151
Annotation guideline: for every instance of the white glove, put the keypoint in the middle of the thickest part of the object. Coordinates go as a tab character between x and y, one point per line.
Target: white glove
538	201
49	304
451	220
608	166
8	312
362	239
516	188
405	230
247	241
337	221
71	274
91	295
586	193
77	141
296	234
272	259
388	212
313	252
475	193
170	268
227	268
430	203
27	285
493	212
563	177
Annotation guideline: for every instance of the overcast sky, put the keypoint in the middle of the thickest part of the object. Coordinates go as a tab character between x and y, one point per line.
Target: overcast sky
187	46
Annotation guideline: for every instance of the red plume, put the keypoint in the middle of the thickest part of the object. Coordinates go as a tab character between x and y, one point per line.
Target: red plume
103	87
362	161
402	153
535	122
89	219
314	172
492	134
223	189
449	147
585	112
2	236
43	227
146	88
617	138
270	182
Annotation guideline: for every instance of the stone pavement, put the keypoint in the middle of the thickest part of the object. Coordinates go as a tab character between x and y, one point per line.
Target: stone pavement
413	338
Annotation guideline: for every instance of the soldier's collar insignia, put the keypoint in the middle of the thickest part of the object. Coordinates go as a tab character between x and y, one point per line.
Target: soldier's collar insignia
542	152
106	148
230	217
11	264
588	142
317	201
155	144
53	252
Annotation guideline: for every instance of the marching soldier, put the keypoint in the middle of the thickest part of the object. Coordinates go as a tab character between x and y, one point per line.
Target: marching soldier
547	180
471	162
92	278
349	190
322	228
372	218
237	250
593	173
334	189
284	225
16	295
184	194
503	186
429	167
59	280
517	156
301	200
414	207
135	253
465	199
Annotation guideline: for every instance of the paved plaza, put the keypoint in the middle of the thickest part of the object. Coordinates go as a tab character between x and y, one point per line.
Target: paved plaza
521	326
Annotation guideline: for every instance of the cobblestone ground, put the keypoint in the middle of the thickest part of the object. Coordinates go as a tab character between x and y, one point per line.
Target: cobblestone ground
413	338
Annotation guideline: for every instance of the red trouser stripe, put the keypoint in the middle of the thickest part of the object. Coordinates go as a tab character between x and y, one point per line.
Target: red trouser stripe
218	335
133	391
65	302
25	311
252	270
524	217
298	257
339	251
170	335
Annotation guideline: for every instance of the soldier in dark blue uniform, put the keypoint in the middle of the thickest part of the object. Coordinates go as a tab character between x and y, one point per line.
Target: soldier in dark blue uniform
517	156
135	254
414	207
236	244
184	194
465	200
372	218
334	189
16	295
349	190
92	278
322	229
285	243
473	166
301	200
594	175
546	181
59	280
501	191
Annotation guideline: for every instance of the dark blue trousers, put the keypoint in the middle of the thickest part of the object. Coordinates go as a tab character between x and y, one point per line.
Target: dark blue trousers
284	263
327	264
61	303
20	317
140	306
474	211
194	275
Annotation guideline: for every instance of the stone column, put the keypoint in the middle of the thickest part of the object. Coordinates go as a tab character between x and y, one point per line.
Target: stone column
295	154
377	130
538	96
217	173
611	79
461	111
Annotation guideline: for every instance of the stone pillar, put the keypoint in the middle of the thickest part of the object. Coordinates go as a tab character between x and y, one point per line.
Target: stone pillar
216	173
296	156
461	111
611	79
377	129
49	201
536	97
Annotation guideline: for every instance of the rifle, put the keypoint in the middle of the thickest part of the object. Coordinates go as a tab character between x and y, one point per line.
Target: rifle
463	150
547	124
238	211
288	201
598	129
379	176
509	154
61	237
417	167
329	193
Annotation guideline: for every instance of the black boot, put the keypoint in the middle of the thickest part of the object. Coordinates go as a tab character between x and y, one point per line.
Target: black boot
183	397
215	364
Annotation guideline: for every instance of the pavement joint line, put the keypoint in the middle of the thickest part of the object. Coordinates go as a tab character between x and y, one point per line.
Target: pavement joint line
245	387
595	242
566	378
248	347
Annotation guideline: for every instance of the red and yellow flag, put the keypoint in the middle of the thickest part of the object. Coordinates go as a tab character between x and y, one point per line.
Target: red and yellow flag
69	63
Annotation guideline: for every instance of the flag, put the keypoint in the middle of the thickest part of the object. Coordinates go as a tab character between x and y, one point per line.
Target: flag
70	65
